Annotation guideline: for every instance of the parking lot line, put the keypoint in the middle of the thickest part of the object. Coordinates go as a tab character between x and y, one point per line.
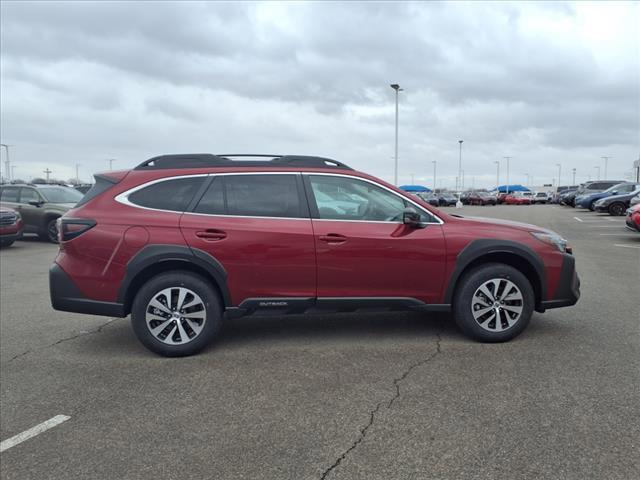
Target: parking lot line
625	246
32	432
630	235
578	219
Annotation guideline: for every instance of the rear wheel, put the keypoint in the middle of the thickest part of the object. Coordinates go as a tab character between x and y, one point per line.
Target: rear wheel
176	314
493	303
617	209
51	232
6	243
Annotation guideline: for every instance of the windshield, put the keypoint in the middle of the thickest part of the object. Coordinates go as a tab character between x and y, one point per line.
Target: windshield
60	194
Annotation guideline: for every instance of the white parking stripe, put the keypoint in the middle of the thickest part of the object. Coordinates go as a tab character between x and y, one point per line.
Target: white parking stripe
32	432
578	219
625	246
630	235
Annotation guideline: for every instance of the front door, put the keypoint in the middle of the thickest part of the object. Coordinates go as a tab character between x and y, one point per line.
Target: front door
258	227
364	249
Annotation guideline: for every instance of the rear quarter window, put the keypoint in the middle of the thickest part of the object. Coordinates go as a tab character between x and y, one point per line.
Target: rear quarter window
9	194
174	195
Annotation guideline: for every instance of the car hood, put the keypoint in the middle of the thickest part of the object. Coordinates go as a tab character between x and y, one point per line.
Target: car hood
505	223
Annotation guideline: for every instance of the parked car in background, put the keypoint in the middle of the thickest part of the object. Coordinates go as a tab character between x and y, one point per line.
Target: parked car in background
519	198
11	226
447	199
589	188
634	201
478	198
588	200
633	218
40	206
541	197
616	205
198	238
568	197
429	197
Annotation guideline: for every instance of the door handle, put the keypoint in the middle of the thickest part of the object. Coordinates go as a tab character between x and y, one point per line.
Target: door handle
334	238
211	235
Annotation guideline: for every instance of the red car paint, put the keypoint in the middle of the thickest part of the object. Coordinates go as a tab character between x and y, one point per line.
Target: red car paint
514	200
281	257
633	218
11	224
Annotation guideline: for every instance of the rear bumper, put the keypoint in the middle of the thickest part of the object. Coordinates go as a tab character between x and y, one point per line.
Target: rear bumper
67	297
568	291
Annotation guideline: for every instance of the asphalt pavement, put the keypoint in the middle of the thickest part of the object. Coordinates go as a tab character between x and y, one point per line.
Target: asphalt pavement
357	396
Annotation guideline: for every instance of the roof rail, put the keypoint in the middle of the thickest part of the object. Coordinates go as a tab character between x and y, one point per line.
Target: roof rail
203	160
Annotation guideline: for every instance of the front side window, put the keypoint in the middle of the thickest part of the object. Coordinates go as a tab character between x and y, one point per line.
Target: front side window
174	194
344	198
29	195
60	194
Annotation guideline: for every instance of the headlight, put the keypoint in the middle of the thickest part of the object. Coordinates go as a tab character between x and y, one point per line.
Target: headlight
552	239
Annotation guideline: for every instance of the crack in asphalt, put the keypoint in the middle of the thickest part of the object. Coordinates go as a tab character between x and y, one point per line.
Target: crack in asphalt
66	339
372	413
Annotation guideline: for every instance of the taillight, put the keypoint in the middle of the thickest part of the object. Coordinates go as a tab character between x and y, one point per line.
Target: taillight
70	228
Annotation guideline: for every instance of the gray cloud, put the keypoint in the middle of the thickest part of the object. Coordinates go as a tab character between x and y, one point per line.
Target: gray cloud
133	79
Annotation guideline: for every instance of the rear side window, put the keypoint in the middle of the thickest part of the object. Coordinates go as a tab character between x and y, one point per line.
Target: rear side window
252	196
29	195
172	195
262	195
9	194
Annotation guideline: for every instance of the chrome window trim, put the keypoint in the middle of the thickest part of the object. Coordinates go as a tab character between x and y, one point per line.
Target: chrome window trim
420	208
123	197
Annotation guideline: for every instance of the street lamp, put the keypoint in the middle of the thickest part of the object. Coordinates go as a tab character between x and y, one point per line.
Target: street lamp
111	160
507	158
606	162
527	175
497	162
559	173
434	174
397	88
597	167
459	167
77	176
7	163
573	170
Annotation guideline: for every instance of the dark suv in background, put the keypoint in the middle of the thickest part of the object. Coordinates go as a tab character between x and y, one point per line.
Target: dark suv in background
182	240
40	206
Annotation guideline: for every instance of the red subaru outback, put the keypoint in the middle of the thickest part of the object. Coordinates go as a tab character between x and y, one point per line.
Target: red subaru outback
182	241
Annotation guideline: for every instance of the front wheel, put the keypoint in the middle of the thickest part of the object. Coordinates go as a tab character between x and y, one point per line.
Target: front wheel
176	314
617	209
6	243
493	303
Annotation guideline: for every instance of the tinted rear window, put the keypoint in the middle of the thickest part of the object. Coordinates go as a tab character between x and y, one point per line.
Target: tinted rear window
172	195
262	195
253	196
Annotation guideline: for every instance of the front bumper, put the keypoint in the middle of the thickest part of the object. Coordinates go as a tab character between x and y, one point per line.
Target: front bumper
11	237
568	290
601	208
67	297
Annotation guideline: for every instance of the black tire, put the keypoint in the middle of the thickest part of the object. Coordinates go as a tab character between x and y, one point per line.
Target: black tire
463	303
174	280
51	232
6	243
616	209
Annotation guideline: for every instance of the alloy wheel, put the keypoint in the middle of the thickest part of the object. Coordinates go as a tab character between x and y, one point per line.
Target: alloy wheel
175	315
497	305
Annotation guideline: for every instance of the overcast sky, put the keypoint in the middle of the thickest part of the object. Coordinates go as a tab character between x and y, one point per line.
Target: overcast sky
544	83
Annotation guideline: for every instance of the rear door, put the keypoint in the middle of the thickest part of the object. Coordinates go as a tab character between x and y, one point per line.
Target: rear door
364	249
31	214
257	226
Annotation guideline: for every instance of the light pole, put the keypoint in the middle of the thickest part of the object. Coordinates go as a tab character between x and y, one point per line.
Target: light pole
462	182
412	180
528	183
47	172
459	167
111	160
497	162
7	162
13	172
397	88
434	174
77	176
559	173
573	170
606	162
597	167
508	158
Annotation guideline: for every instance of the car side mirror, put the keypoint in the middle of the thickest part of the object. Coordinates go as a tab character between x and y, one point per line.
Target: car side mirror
411	218
615	192
36	203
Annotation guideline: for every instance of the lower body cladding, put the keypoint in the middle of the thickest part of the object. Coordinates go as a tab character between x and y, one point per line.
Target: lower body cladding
66	296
